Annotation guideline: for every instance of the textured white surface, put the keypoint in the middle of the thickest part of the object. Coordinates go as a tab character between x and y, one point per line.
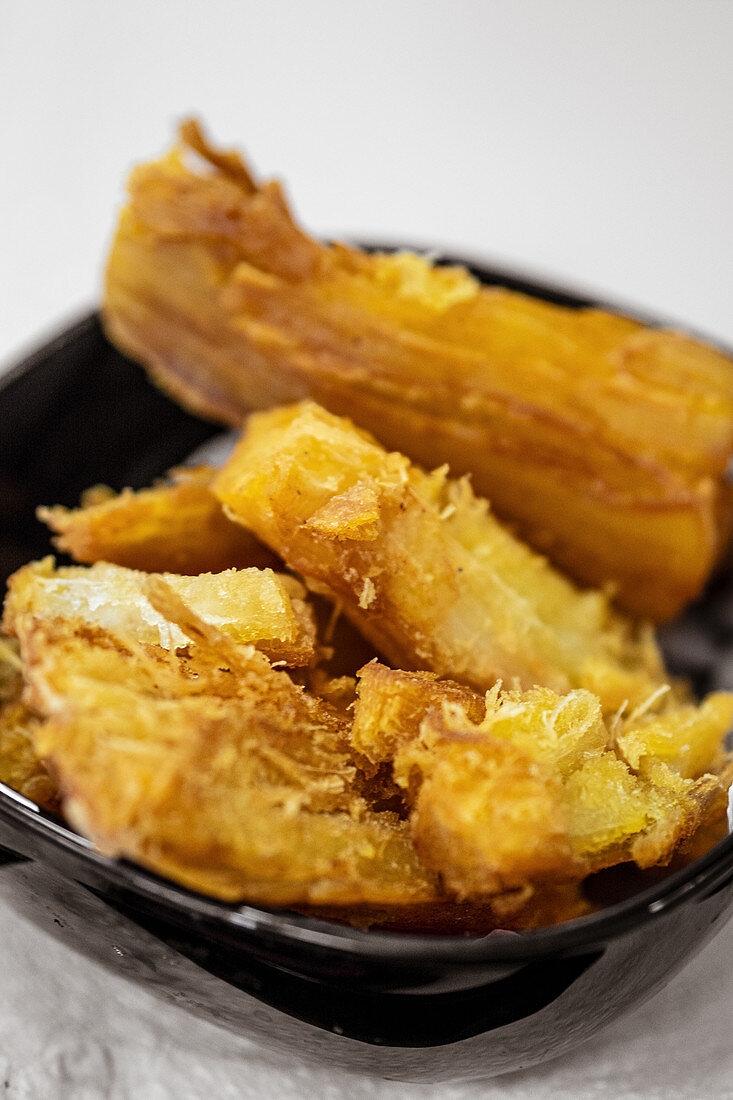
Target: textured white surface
69	1030
588	141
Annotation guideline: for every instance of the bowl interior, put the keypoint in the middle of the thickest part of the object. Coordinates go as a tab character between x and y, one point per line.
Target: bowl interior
77	413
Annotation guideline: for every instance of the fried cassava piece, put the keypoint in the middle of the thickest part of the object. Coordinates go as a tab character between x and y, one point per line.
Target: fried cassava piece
531	787
421	565
603	440
176	526
224	775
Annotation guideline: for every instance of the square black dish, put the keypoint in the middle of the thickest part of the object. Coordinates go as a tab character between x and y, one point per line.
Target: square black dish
402	1006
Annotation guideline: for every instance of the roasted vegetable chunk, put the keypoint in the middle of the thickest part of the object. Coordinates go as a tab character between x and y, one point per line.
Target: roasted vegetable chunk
177	526
604	441
422	567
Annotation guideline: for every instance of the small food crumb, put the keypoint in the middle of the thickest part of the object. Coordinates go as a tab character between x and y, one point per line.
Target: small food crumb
368	593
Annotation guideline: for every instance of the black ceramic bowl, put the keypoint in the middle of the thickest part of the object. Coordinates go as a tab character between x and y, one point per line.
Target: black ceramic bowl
401	1006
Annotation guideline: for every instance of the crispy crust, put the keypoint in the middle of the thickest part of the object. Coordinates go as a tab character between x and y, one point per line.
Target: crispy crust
228	777
606	442
177	526
422	567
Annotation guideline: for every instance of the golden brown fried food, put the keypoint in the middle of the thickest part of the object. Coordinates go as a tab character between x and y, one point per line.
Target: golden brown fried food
688	738
251	796
484	815
177	526
11	665
252	606
192	789
20	766
422	567
685	736
533	794
521	788
212	767
341	652
605	441
390	706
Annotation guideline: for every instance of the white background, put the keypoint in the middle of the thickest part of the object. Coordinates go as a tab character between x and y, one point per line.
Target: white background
587	141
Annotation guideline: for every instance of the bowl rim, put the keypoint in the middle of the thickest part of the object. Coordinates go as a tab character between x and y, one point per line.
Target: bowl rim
701	877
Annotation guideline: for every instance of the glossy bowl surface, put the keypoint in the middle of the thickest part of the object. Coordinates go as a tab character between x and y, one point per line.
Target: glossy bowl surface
402	1006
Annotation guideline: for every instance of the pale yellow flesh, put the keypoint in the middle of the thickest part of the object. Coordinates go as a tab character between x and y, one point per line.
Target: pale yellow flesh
251	606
